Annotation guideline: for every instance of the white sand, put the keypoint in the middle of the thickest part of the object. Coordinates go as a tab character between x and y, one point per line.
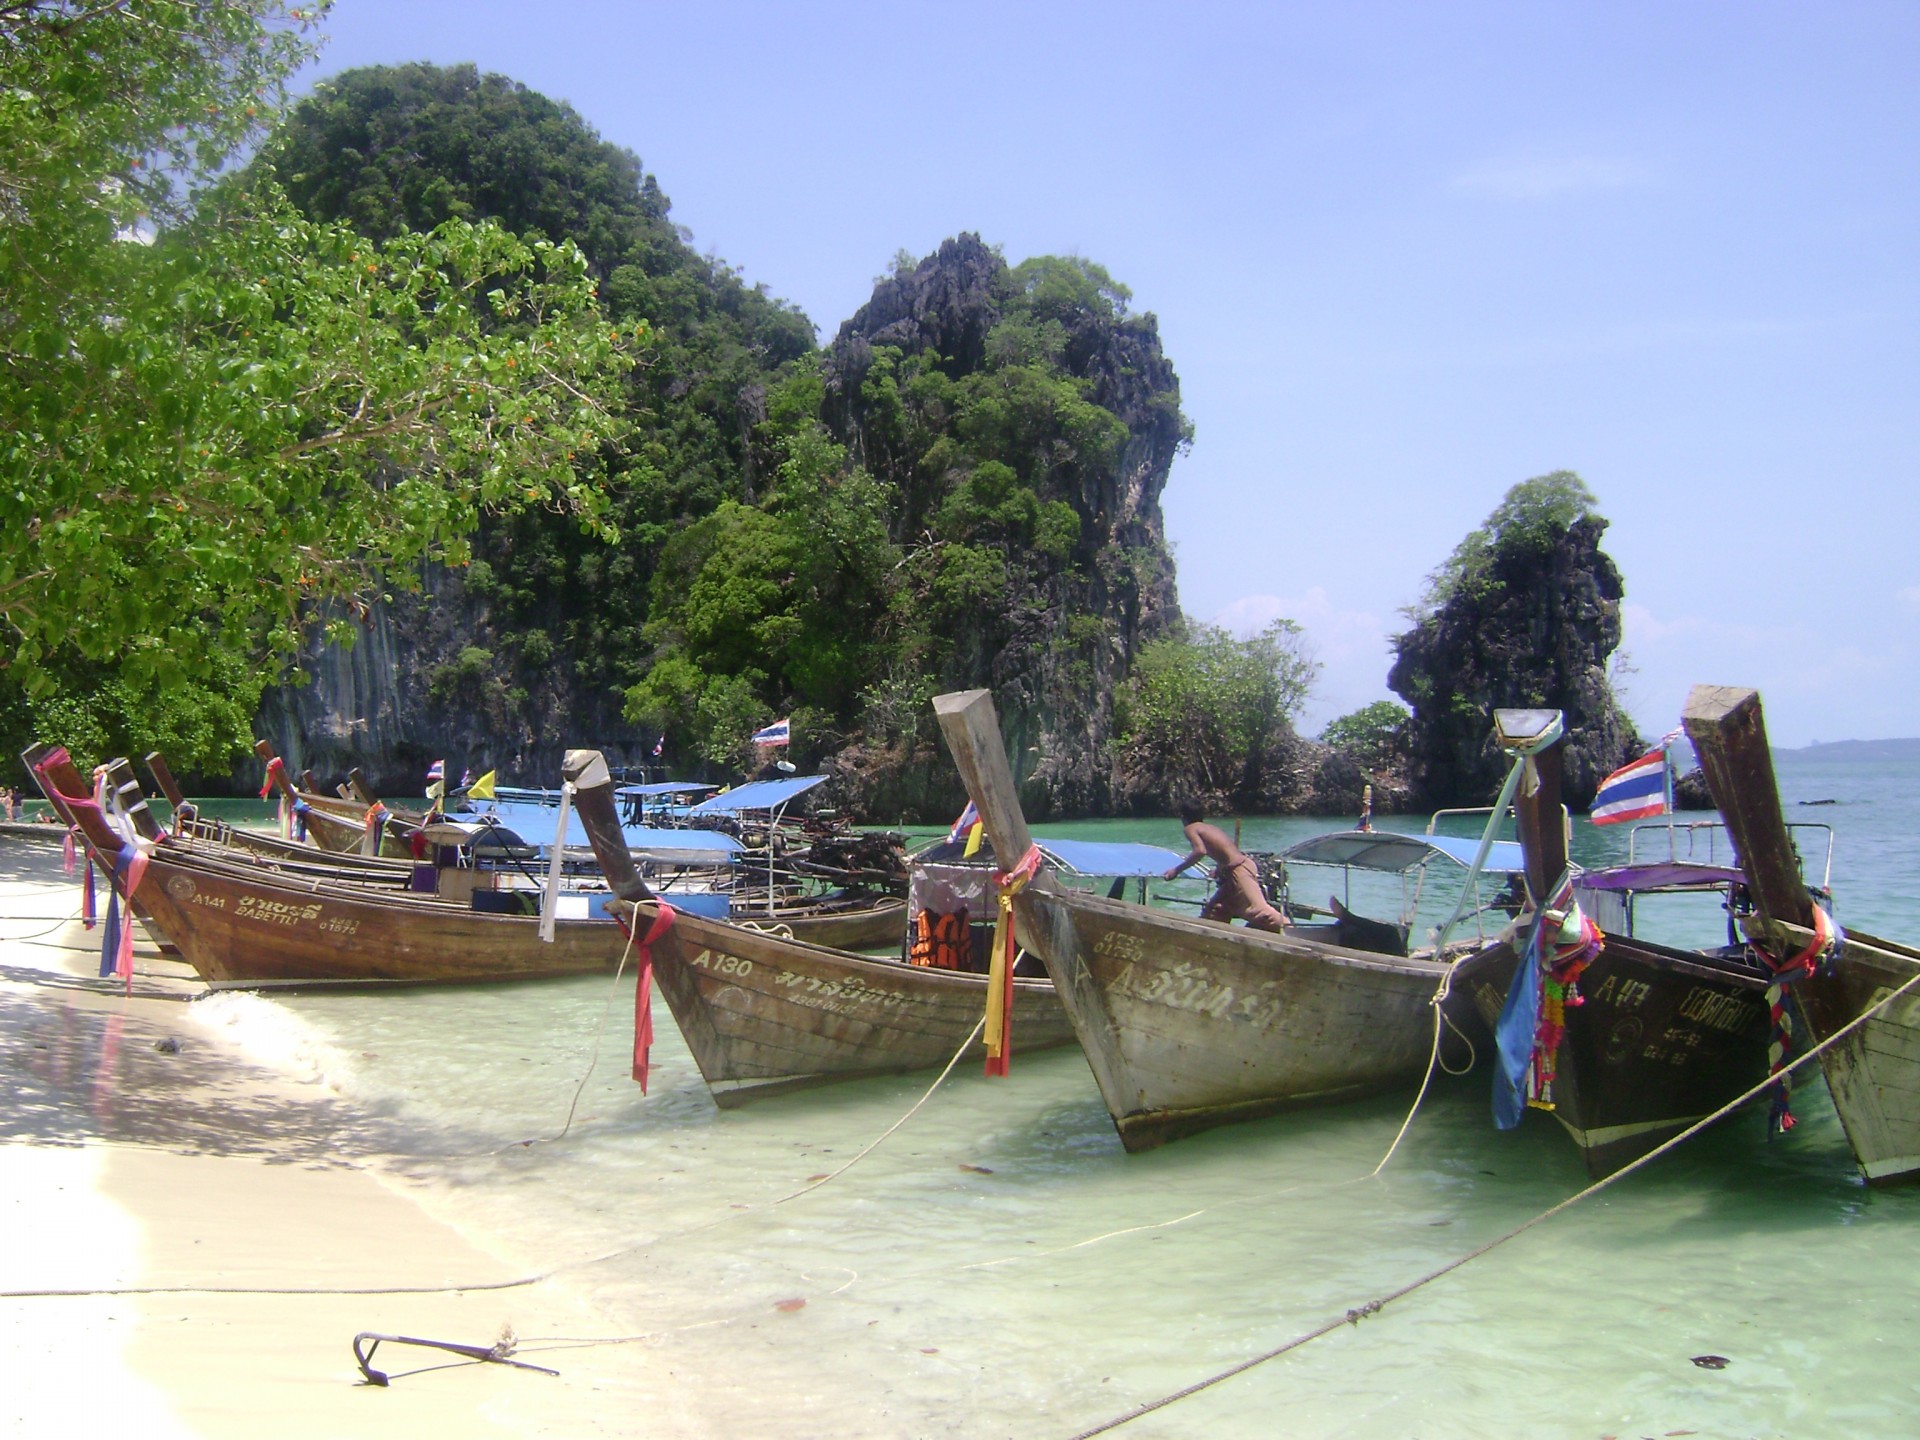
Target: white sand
98	1195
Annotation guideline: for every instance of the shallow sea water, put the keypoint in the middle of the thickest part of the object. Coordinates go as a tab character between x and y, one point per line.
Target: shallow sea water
1000	1266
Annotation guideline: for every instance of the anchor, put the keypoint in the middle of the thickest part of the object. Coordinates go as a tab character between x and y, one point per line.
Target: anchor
497	1354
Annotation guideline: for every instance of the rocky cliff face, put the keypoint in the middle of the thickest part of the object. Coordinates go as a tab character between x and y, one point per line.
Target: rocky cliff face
432	676
1535	630
1055	645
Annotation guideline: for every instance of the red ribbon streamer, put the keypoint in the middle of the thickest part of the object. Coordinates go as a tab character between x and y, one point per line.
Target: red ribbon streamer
643	994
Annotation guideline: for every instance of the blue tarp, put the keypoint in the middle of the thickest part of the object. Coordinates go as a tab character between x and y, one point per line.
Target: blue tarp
1109	858
535	825
664	787
1393	853
757	795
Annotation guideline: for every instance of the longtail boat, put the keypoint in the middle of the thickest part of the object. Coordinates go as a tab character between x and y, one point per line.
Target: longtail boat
248	922
1873	1073
1189	1023
1624	1045
763	1013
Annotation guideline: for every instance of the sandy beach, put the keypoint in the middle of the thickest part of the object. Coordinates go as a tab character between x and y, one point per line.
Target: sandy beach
193	1241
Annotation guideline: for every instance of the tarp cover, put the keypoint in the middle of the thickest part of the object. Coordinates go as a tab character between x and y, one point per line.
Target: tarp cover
1109	858
757	795
1393	853
692	847
1662	875
663	787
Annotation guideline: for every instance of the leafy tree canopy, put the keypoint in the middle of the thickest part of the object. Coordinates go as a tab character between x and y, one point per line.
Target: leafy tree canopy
1370	734
1531	517
1202	708
205	429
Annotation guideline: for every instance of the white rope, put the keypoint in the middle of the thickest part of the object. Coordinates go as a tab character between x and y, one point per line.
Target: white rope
1373	1307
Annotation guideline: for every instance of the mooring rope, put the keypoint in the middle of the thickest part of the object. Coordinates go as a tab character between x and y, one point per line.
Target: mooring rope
525	1280
1373	1307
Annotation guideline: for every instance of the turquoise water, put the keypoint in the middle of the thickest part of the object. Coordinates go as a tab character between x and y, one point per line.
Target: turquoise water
999	1266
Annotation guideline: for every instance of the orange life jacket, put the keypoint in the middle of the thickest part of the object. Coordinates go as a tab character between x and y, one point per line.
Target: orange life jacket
943	942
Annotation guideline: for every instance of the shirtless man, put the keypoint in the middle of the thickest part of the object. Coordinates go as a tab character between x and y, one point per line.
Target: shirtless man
1236	878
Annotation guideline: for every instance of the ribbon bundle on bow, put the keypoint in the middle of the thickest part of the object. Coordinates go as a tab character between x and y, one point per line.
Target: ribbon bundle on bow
1827	939
643	992
999	1021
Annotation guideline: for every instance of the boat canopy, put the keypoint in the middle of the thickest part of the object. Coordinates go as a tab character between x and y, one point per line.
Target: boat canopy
1663	875
1108	859
1392	853
757	795
663	787
684	847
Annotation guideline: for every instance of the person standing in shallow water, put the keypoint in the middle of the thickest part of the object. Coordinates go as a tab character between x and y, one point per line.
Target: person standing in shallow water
1236	879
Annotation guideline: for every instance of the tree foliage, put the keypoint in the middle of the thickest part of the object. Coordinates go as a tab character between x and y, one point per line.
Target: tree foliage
409	147
1530	519
1203	709
216	410
1372	735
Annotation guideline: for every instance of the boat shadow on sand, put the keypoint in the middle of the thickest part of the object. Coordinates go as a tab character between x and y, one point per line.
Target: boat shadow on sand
83	1067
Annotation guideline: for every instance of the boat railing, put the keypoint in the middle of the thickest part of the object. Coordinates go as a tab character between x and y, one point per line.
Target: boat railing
1708	842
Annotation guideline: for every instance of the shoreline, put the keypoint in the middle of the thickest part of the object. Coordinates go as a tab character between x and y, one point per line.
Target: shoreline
207	1222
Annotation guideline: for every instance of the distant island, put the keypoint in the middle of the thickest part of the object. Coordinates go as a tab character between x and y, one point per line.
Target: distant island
1858	750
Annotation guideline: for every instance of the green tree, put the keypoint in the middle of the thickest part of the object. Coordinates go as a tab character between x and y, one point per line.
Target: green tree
1372	735
1529	520
217	412
1202	709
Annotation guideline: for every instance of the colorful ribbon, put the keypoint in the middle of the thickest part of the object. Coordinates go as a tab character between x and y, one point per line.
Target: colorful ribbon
999	1020
643	992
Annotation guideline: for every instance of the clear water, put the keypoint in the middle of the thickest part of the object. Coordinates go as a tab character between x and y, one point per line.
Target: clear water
999	1266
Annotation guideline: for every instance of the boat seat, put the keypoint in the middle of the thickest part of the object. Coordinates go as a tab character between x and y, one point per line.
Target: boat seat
1357	932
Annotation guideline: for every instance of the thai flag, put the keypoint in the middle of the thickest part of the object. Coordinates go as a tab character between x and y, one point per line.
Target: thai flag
1633	792
436	771
969	818
774	734
659	745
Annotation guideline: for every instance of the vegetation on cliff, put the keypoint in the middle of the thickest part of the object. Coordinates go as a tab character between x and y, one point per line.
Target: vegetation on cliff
1524	613
962	490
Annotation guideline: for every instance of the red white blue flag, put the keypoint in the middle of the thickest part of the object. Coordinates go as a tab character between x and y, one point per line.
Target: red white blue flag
969	818
1635	791
774	734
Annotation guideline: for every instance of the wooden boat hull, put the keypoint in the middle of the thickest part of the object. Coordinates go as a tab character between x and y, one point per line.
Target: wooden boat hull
764	1014
253	926
1872	1073
868	927
1189	1024
1663	1039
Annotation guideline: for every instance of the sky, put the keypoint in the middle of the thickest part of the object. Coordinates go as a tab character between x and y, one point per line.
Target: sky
1403	257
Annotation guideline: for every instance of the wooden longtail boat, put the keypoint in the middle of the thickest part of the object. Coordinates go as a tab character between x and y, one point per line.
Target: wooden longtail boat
1873	1073
250	924
1188	1023
763	1013
1660	1037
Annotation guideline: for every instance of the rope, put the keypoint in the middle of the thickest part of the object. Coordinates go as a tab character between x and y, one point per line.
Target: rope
1373	1307
520	1282
1438	1001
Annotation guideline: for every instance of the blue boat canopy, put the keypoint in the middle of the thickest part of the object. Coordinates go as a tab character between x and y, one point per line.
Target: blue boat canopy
1391	853
535	824
757	795
1108	858
663	787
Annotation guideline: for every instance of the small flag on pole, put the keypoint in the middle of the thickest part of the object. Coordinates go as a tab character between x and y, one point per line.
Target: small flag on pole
659	745
437	779
774	734
969	818
482	789
1635	791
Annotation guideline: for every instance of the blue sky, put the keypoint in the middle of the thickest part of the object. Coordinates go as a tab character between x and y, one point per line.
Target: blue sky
1403	256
